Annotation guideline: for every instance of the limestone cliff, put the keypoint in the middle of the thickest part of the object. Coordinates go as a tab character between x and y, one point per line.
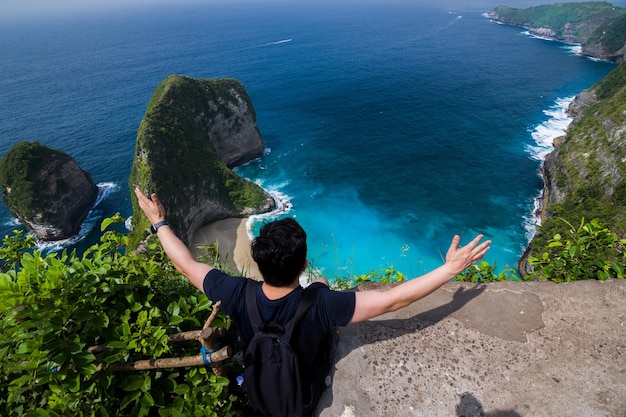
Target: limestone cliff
192	132
599	27
46	190
585	175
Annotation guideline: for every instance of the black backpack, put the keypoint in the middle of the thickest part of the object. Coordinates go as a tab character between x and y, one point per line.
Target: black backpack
273	379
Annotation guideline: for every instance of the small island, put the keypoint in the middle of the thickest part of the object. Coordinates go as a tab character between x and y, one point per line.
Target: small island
46	190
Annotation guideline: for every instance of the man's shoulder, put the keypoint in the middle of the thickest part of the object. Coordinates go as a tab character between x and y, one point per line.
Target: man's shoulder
219	285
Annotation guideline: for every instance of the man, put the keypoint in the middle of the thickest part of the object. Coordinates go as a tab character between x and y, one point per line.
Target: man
280	252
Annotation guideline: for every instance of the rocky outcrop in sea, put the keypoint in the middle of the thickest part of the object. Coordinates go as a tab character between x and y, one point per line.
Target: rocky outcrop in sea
194	131
46	190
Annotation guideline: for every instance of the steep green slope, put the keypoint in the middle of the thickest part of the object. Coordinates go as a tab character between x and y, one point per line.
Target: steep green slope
176	159
586	173
599	26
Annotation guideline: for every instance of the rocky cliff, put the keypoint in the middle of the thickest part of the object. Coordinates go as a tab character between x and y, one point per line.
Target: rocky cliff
46	190
585	174
193	131
599	27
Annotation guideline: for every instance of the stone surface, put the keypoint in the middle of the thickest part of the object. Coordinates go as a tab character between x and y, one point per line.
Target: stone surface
501	349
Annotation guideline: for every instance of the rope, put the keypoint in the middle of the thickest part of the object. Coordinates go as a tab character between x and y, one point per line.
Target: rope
204	355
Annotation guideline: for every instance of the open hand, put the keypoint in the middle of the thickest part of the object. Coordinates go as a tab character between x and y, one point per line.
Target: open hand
460	258
152	207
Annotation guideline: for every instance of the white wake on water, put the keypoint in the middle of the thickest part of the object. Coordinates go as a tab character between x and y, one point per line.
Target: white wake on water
277	42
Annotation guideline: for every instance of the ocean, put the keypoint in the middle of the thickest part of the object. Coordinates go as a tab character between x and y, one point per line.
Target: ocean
389	126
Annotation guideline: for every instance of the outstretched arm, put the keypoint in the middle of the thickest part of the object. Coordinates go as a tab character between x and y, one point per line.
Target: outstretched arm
370	304
174	248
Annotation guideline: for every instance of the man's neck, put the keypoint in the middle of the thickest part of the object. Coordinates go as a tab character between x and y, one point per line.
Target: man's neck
274	293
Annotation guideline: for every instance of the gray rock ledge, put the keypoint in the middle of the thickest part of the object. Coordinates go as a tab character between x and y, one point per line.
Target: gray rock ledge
503	349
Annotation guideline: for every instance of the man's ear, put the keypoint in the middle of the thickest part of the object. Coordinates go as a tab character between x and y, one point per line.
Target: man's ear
306	263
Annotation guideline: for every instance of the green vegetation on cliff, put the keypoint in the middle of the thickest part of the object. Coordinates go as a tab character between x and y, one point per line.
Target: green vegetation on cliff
559	16
599	26
175	158
590	168
19	189
592	159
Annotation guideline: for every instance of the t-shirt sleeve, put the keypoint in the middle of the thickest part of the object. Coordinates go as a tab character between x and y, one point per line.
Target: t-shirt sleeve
219	286
337	307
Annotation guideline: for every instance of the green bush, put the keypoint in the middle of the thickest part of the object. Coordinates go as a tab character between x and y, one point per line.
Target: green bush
53	308
484	272
590	251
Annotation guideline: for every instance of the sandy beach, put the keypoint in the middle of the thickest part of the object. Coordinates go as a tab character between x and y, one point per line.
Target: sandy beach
234	244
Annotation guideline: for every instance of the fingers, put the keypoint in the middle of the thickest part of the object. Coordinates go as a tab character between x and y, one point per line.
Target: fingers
469	254
141	197
454	245
151	206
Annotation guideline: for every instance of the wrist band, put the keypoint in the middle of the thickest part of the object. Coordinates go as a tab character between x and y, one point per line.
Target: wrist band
156	226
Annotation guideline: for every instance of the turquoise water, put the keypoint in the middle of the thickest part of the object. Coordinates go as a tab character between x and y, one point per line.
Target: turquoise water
389	127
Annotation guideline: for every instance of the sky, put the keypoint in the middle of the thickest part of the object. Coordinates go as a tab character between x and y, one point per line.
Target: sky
53	8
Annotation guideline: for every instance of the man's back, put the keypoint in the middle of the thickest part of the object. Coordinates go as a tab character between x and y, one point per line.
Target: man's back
330	309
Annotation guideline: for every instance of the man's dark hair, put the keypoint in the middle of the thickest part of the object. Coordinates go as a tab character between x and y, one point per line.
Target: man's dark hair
280	251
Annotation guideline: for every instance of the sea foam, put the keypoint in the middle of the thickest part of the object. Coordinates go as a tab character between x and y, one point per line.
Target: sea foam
544	135
93	218
556	125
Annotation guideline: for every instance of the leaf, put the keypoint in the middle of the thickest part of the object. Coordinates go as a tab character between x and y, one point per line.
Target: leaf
173	308
181	389
116	344
146	399
132	383
105	223
73	383
132	397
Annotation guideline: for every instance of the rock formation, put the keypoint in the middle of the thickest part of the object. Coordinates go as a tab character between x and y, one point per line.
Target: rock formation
46	190
193	131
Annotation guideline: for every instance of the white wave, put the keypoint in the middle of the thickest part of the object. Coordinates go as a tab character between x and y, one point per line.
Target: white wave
13	222
533	219
556	125
544	134
573	48
283	206
92	220
104	190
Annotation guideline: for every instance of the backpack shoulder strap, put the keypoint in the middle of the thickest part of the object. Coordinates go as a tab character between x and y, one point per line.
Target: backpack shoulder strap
254	315
306	301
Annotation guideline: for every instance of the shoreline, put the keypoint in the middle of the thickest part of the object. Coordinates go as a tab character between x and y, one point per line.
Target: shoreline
233	241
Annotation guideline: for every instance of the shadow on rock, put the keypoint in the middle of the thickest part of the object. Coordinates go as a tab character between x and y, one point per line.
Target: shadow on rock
471	407
373	331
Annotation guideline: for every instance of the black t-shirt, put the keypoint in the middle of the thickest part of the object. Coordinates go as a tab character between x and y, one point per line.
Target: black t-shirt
331	309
